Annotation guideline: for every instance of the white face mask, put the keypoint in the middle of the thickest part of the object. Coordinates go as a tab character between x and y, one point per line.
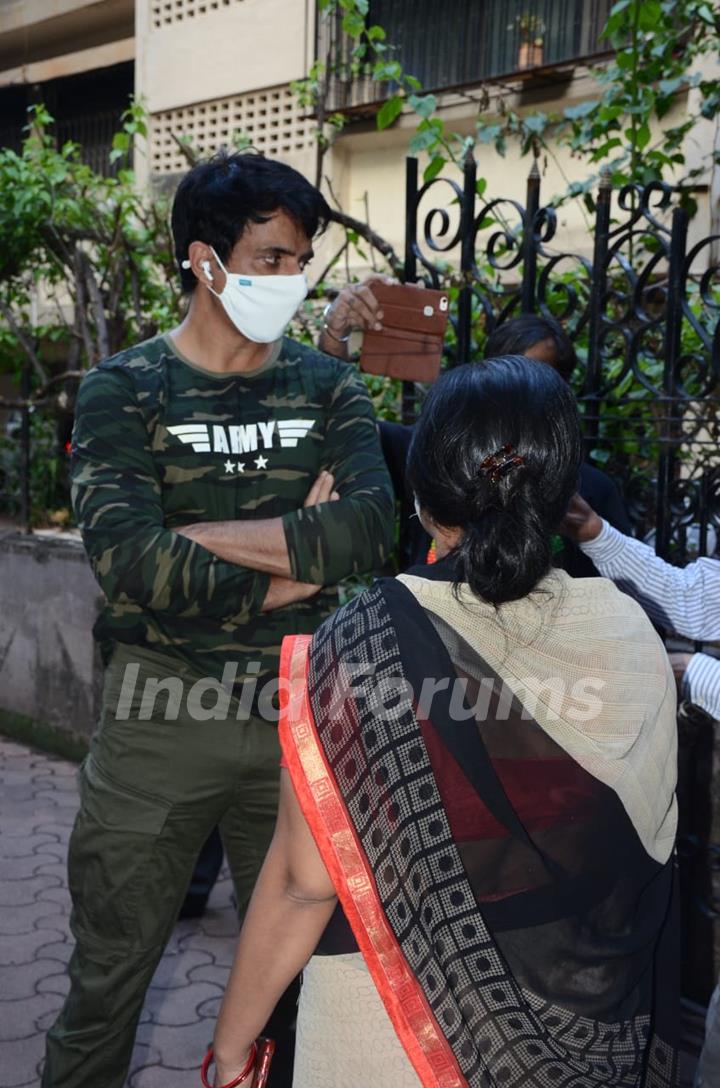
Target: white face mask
260	307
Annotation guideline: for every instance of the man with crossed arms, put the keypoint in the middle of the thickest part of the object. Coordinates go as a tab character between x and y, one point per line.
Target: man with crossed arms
225	478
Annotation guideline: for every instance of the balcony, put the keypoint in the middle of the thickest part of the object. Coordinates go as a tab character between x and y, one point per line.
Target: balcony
460	43
37	30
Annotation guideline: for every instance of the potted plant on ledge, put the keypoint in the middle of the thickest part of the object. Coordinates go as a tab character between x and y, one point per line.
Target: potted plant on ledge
530	29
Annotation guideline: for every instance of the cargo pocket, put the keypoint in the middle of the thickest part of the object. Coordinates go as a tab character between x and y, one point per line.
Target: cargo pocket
112	859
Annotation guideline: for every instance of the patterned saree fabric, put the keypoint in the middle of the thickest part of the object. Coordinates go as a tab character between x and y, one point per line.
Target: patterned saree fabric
513	904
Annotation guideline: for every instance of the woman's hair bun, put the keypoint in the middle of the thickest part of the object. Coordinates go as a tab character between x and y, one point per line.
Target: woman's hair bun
496	452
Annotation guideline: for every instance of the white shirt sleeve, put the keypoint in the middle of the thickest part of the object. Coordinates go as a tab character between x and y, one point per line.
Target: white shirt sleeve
701	683
686	599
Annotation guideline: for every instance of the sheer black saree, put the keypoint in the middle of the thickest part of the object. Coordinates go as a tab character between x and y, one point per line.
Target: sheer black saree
516	929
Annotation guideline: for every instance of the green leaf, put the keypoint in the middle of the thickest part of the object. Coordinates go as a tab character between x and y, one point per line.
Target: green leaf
425	106
626	60
389	112
583	109
605	149
689	203
434	167
650	14
617	20
709	109
423	140
642	135
601	456
536	122
353	24
486	134
387	71
670	86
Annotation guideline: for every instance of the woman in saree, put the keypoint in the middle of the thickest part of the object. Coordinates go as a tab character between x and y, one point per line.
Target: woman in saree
473	860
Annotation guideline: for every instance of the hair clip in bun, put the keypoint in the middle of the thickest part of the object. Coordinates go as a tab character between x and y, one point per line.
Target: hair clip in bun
498	464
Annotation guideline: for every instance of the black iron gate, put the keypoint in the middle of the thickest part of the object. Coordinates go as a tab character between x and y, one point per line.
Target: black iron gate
643	307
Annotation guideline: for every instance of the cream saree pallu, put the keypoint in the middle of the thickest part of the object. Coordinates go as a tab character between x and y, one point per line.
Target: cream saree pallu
516	930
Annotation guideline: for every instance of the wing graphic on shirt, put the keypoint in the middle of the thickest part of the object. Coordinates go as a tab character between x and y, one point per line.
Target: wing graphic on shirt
193	434
291	430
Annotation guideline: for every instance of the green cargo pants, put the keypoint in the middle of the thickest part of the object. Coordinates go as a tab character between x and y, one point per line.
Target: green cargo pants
151	793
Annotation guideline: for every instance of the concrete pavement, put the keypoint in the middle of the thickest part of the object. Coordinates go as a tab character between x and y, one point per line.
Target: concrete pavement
38	801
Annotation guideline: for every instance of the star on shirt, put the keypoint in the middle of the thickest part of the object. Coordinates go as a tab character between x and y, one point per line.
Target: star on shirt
229	466
261	462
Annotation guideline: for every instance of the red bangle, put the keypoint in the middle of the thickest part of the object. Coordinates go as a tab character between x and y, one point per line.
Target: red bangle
210	1058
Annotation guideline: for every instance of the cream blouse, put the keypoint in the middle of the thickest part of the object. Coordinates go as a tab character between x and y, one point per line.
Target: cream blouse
586	662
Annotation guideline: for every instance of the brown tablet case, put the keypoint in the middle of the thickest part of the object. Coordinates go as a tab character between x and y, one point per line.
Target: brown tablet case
411	341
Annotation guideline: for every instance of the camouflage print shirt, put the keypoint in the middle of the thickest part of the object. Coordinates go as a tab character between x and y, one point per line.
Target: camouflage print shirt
160	443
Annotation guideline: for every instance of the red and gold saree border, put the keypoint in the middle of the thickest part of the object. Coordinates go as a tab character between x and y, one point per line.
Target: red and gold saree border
329	821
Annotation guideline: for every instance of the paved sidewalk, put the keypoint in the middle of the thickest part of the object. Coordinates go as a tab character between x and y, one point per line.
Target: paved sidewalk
38	800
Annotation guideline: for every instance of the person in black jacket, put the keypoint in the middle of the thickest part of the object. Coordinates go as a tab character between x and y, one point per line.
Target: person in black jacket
539	338
544	339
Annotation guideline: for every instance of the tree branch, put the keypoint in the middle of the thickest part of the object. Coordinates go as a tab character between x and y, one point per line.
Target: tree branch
40	397
97	307
24	341
331	263
81	303
190	157
371	237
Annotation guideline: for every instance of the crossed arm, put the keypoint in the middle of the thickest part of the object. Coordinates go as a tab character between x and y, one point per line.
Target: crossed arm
228	571
345	525
261	545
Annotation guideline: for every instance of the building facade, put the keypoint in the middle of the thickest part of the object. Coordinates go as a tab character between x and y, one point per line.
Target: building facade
211	70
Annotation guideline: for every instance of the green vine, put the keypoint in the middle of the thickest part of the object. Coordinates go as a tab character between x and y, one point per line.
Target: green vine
655	49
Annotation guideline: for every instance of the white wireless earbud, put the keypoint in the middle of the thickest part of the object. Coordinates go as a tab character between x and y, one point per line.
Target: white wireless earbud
205	265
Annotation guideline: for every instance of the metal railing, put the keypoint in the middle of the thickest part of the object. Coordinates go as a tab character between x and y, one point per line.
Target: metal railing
94	133
643	306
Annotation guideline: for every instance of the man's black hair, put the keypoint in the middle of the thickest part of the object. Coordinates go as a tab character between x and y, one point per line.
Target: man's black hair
515	336
217	199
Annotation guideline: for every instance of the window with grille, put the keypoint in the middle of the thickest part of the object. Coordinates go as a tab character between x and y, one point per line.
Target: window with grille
87	109
271	119
459	43
167	12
